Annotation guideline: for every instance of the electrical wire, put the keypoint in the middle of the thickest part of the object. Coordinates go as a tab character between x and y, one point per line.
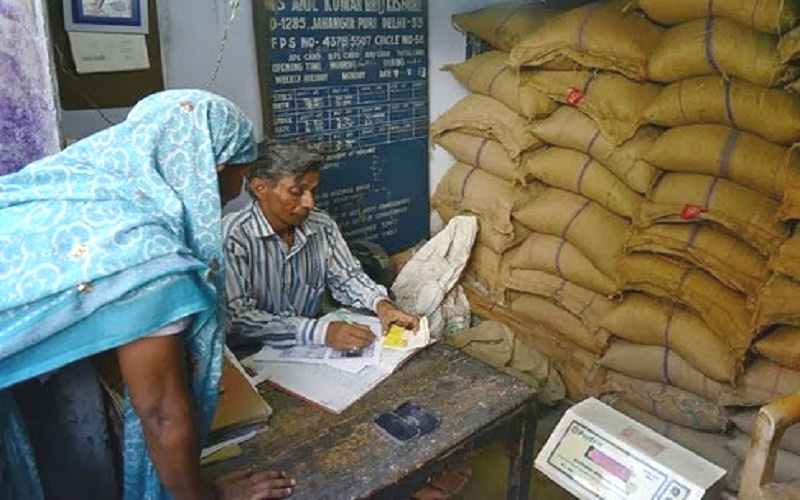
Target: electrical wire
234	6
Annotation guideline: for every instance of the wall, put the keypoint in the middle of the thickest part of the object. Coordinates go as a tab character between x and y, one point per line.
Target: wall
191	33
28	116
190	47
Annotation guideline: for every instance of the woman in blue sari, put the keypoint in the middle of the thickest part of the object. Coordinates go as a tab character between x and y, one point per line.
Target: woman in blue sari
114	243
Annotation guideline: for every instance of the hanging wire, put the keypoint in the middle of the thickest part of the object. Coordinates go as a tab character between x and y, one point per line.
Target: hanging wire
234	7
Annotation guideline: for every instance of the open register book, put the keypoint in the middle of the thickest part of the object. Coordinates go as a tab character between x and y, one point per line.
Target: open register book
322	383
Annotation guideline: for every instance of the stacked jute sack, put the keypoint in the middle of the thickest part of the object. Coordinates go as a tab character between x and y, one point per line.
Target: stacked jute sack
651	249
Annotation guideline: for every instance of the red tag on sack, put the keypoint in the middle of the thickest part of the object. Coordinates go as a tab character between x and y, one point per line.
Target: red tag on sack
691	211
575	96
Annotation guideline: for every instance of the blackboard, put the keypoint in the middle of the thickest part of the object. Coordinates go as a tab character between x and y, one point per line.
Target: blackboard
350	78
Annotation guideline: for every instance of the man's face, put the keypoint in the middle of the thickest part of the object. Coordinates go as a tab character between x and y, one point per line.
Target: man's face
288	201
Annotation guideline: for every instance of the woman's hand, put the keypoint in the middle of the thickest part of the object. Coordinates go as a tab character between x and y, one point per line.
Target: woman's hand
253	485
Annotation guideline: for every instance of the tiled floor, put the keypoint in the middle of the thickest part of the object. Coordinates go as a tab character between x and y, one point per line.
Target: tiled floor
490	466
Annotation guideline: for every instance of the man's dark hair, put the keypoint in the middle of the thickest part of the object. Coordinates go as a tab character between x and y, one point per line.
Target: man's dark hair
278	158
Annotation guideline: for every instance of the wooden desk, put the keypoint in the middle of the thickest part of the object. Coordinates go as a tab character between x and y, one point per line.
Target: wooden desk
344	456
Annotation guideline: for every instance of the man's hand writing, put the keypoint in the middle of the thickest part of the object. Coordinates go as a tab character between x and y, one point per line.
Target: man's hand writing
346	337
390	315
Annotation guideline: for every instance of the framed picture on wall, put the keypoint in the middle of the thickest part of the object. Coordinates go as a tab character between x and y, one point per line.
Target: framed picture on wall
107	16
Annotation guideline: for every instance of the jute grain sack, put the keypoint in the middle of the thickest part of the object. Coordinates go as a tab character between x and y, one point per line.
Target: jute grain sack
598	35
786	259
746	422
474	190
483	153
487	235
579	173
589	306
559	320
710	446
736	103
503	25
497	345
666	402
644	320
547	253
721	308
778	303
764	382
595	231
790	207
744	158
572	129
660	364
489	268
718	46
614	102
789	46
769	16
485	117
781	346
686	198
490	75
727	258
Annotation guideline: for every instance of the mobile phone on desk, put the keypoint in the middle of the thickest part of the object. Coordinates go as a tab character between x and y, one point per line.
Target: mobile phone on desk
406	422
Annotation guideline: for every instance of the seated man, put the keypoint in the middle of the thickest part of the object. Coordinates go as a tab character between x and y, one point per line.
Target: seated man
281	253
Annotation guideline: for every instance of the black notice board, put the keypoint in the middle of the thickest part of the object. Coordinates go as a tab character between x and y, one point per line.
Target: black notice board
350	78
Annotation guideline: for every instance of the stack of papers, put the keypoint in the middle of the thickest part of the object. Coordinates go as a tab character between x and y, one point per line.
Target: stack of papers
332	379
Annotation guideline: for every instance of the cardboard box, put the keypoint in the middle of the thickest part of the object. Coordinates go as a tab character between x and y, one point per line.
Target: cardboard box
597	452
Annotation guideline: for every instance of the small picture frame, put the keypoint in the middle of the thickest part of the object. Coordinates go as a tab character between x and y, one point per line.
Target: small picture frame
106	16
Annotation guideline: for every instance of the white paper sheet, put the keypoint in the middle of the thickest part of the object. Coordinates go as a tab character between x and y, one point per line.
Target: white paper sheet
331	388
107	52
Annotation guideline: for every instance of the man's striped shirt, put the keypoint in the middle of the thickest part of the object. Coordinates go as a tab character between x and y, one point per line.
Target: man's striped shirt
275	292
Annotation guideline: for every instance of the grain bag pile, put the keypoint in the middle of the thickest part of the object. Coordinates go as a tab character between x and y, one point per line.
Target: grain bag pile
652	257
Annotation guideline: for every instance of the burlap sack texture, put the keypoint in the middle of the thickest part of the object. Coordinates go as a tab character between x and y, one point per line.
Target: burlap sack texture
764	382
719	46
787	465
786	259
725	152
777	303
572	129
665	402
724	256
482	116
481	152
476	191
745	421
557	256
589	306
602	35
733	102
490	269
789	46
503	25
559	320
747	214
577	172
723	310
769	16
661	364
781	346
489	74
614	103
644	320
594	230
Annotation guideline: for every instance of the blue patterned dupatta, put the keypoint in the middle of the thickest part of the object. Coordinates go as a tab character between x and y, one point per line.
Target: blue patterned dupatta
115	237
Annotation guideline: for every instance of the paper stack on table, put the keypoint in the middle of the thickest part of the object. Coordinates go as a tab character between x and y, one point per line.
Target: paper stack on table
335	381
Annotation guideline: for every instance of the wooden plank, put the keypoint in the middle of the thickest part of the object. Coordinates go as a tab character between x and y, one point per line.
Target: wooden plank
345	456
